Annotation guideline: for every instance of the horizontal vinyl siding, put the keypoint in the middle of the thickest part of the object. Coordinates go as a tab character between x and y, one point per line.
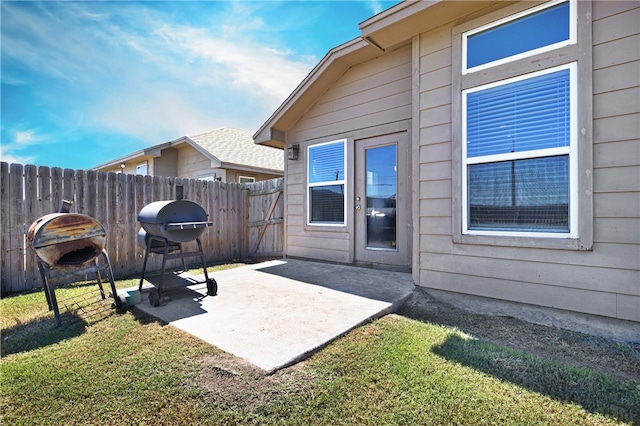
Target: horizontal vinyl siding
192	164
370	94
604	281
373	93
435	165
590	302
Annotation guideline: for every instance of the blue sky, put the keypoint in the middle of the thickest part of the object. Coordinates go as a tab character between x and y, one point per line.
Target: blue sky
86	82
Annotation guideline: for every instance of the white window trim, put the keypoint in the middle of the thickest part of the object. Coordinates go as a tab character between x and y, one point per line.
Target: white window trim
570	150
342	182
250	179
572	36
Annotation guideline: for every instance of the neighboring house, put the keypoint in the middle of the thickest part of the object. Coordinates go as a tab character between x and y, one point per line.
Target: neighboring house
490	147
224	154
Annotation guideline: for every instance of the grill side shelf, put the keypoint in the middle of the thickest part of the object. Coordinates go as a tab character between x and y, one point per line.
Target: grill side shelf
186	225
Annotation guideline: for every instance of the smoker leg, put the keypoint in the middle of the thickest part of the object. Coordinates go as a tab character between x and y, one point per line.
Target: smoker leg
45	286
54	302
120	303
50	294
100	286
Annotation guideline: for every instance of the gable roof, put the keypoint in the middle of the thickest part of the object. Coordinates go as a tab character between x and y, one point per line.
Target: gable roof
381	33
225	147
232	146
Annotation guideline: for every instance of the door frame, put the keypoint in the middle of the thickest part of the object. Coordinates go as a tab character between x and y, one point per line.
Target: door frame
402	256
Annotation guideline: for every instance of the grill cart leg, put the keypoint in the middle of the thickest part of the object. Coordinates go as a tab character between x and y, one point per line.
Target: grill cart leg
144	264
165	253
172	250
212	285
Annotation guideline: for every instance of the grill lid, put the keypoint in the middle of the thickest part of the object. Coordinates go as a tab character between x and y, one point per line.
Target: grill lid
176	220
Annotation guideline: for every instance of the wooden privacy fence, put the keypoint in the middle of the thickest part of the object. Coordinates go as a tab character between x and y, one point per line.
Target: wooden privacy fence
247	218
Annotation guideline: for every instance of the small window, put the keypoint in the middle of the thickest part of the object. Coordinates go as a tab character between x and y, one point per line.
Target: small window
246	179
534	31
141	169
326	183
518	151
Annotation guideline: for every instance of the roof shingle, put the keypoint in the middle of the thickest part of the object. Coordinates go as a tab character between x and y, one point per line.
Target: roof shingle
236	146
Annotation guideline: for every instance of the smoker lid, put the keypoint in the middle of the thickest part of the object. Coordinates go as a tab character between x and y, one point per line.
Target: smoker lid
56	228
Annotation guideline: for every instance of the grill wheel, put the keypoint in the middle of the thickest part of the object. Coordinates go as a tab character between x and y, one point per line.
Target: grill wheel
212	287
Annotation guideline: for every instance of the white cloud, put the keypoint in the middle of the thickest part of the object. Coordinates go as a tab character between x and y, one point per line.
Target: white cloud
8	157
375	6
128	68
259	70
25	137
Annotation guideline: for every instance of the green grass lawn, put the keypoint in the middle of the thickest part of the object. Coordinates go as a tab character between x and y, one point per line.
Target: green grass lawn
131	369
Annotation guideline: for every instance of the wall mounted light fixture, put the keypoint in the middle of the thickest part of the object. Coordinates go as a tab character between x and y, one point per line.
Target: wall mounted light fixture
292	151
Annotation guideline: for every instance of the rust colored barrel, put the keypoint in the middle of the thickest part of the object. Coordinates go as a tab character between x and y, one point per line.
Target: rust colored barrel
67	240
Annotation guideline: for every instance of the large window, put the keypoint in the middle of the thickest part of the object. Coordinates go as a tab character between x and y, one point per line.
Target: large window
519	134
326	183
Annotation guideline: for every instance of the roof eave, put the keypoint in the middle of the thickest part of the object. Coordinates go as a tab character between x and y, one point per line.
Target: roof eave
118	161
385	31
252	169
401	22
334	64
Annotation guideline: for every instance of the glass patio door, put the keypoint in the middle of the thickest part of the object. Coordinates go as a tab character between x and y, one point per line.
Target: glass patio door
380	204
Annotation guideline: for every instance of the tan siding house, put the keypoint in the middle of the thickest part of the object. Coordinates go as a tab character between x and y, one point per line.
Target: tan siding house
224	154
513	175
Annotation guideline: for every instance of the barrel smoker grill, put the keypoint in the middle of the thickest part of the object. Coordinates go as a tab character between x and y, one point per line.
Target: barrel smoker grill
165	226
72	244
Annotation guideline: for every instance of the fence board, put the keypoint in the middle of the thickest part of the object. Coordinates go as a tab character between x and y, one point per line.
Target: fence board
80	201
114	200
56	188
16	226
4	219
68	185
32	212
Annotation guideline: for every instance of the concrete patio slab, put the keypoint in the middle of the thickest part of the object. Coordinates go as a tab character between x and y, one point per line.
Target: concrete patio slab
276	313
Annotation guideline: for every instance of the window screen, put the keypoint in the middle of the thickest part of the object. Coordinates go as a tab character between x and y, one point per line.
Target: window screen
523	195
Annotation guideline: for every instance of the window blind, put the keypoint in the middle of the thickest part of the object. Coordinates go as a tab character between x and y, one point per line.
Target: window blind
326	163
520	116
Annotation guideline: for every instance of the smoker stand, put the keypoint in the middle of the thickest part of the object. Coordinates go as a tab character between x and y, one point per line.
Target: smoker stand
86	304
172	250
